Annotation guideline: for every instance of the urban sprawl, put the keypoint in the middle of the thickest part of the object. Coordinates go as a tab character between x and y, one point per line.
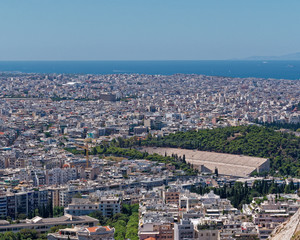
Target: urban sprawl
56	179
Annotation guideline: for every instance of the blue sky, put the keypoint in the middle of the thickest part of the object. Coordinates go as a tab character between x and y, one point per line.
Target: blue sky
147	30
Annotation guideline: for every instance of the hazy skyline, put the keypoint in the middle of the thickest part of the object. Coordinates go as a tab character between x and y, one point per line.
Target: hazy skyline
147	30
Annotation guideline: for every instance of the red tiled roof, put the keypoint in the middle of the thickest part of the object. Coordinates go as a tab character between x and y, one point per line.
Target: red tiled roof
92	229
107	228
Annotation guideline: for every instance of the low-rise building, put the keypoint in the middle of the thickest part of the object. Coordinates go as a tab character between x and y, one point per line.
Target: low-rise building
81	206
81	233
43	225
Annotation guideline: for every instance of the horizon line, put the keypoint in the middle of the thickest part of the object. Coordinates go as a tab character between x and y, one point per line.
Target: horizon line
147	60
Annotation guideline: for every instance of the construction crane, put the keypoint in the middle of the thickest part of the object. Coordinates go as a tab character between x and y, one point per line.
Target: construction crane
86	148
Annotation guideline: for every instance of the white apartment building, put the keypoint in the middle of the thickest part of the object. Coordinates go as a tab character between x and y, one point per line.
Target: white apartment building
80	207
183	230
109	206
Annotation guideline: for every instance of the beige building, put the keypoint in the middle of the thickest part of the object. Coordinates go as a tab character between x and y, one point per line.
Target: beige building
90	233
171	196
157	231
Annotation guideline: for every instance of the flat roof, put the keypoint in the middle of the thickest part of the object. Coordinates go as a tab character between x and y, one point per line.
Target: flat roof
63	220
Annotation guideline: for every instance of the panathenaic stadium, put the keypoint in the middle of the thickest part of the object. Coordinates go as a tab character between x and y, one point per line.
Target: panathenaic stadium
227	164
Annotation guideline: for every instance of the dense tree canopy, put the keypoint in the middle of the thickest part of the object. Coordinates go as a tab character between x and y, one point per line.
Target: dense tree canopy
240	193
114	149
125	223
277	125
283	149
24	234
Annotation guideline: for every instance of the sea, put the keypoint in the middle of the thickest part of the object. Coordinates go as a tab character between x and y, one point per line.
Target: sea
243	69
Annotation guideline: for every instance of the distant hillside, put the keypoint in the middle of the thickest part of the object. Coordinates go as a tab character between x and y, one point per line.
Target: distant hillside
292	56
283	149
